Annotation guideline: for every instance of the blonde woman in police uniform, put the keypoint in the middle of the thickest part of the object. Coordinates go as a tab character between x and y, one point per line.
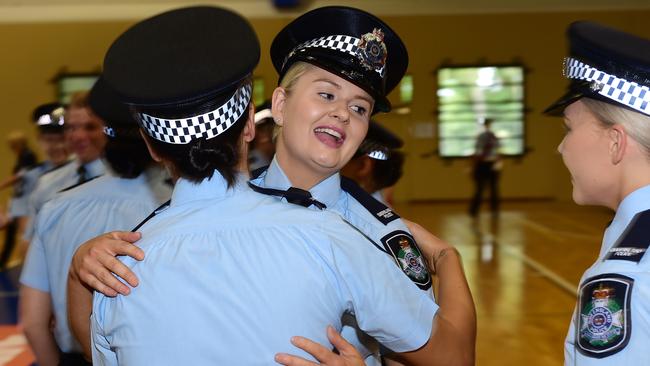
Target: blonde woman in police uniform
607	151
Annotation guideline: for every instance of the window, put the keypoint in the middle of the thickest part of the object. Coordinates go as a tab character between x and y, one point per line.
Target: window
69	84
258	91
469	95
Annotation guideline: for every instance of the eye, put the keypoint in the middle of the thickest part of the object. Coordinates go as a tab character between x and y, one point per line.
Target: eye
567	129
326	96
359	110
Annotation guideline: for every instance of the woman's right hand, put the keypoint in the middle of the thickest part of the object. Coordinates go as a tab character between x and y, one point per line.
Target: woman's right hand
347	356
95	265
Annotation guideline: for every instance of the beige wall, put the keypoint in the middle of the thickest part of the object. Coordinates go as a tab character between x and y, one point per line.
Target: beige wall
32	54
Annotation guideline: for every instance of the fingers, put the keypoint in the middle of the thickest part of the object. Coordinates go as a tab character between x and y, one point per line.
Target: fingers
96	284
129	236
345	348
291	360
322	354
123	248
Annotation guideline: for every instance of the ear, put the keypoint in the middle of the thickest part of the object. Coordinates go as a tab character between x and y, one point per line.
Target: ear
249	129
617	143
152	152
278	105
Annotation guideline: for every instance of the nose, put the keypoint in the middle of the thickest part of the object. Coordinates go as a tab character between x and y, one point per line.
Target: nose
560	147
340	111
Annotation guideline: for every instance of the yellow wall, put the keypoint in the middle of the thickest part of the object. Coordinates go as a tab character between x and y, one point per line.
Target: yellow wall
32	54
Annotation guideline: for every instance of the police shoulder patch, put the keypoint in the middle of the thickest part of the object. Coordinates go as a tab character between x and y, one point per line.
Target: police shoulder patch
604	321
408	257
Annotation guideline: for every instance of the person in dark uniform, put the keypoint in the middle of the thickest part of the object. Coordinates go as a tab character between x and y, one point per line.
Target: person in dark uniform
486	170
606	149
377	165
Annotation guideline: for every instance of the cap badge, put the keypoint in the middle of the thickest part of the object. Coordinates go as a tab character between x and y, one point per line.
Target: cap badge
372	50
596	86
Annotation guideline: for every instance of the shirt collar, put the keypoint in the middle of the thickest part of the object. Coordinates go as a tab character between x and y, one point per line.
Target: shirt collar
214	187
93	169
633	203
327	191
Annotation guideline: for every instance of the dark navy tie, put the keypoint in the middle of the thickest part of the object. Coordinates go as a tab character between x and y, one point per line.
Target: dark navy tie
82	174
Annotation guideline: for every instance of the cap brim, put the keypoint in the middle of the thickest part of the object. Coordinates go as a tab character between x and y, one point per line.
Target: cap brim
557	108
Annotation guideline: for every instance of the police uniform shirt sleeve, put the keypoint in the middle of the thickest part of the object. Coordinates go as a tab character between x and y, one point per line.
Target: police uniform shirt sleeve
34	272
387	305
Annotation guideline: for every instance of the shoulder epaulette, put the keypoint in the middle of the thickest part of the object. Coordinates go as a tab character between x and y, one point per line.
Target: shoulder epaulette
78	184
379	210
633	243
155	212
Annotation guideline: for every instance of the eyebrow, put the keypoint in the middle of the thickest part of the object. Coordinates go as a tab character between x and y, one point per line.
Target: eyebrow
338	86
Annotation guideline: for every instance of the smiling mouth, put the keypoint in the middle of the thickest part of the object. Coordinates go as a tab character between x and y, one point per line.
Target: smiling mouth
336	135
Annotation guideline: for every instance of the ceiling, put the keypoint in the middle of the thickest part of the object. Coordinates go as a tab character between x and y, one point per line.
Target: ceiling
91	10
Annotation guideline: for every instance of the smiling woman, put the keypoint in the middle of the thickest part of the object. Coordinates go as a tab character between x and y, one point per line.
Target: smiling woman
323	120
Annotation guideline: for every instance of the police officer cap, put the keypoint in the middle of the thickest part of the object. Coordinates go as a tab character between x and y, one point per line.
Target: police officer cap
49	117
178	61
608	65
117	116
379	142
348	42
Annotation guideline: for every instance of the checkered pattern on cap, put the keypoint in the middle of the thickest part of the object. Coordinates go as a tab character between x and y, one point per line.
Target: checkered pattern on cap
207	125
347	44
625	92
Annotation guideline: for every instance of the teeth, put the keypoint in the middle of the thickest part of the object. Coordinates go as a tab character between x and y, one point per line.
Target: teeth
329	131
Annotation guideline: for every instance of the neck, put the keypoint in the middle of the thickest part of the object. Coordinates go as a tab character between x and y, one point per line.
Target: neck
299	175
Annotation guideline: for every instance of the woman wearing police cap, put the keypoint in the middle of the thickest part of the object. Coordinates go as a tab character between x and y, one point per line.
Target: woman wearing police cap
115	201
606	149
332	79
245	271
336	66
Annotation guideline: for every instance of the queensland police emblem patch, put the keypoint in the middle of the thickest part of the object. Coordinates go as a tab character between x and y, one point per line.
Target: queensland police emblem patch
408	257
604	322
372	50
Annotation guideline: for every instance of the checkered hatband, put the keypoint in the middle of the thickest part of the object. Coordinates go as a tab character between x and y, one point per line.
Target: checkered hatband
342	43
624	92
207	125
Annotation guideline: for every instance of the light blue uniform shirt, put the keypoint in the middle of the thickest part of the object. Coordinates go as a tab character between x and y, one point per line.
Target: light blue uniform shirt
230	275
337	200
53	182
636	350
104	204
19	205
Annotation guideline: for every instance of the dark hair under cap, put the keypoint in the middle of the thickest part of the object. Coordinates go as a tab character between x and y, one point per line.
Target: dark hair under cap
49	117
348	42
608	65
186	74
125	150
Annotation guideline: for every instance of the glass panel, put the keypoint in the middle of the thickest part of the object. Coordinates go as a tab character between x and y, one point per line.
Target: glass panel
406	89
469	95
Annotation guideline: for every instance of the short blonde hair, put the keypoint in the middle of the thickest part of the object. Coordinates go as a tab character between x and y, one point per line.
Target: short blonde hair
80	99
288	81
294	73
636	124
